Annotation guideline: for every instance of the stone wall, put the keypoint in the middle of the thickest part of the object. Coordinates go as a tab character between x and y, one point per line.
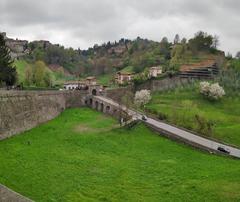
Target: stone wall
165	84
21	111
118	94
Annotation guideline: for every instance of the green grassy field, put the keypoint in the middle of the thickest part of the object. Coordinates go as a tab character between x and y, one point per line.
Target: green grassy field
83	156
181	105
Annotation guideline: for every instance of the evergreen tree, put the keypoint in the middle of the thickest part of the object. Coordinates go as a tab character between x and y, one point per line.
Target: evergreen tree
8	74
176	39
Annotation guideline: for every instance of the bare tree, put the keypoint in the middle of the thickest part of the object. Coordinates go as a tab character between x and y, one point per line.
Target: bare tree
215	43
238	55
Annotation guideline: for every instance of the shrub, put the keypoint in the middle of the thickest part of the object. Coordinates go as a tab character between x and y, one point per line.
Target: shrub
204	126
211	91
161	116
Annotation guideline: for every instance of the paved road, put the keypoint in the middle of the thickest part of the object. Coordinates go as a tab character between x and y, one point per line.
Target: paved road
7	195
213	145
203	142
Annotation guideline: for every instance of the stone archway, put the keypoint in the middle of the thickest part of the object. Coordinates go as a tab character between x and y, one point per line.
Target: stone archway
94	92
101	107
96	105
108	109
90	101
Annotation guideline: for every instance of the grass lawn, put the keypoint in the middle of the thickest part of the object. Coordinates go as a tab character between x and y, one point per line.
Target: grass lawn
181	105
83	156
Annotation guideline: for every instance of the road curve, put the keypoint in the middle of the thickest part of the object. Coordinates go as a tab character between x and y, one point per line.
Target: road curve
210	144
199	141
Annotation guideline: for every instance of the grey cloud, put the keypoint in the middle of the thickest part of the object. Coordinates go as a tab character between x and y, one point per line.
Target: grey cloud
95	21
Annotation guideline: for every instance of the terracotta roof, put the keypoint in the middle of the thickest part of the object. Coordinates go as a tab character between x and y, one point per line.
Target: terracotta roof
74	82
125	73
157	67
90	78
203	64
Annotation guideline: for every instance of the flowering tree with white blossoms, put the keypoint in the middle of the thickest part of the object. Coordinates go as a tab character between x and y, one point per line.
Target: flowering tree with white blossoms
142	97
216	91
212	91
204	88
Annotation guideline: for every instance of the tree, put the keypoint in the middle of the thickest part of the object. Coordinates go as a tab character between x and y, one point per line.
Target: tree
184	41
165	48
164	40
215	42
28	76
142	98
178	56
39	70
229	56
238	55
48	79
176	39
201	42
8	74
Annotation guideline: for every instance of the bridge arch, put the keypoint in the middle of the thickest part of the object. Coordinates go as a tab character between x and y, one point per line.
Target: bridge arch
108	109
90	101
94	92
96	105
102	107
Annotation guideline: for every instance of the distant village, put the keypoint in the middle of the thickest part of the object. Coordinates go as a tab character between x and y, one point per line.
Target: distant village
120	79
19	48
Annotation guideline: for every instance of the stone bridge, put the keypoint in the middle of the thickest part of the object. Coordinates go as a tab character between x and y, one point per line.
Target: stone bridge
108	106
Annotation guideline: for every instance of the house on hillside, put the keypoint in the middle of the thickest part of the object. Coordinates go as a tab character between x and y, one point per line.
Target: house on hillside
81	85
124	77
74	85
91	80
155	71
42	43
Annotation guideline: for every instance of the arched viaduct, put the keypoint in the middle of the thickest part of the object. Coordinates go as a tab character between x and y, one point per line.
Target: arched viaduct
108	106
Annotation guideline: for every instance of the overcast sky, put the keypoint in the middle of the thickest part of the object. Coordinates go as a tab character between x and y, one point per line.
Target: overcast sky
83	23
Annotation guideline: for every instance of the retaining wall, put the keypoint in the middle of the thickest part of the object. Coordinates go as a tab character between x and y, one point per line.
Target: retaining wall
118	94
165	84
22	110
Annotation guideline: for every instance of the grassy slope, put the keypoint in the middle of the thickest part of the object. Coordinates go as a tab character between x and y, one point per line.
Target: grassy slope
181	106
79	157
57	77
21	65
105	79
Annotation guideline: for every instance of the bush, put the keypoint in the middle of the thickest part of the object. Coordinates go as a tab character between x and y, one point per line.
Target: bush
211	91
204	126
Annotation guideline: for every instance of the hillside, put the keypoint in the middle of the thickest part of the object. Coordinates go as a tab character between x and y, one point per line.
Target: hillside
56	73
104	60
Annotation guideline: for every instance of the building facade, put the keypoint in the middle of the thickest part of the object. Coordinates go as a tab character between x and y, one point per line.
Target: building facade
155	71
122	78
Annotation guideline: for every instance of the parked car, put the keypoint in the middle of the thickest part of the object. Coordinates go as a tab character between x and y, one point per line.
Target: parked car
224	150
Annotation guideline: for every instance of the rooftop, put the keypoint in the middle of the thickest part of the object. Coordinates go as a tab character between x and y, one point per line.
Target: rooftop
203	64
